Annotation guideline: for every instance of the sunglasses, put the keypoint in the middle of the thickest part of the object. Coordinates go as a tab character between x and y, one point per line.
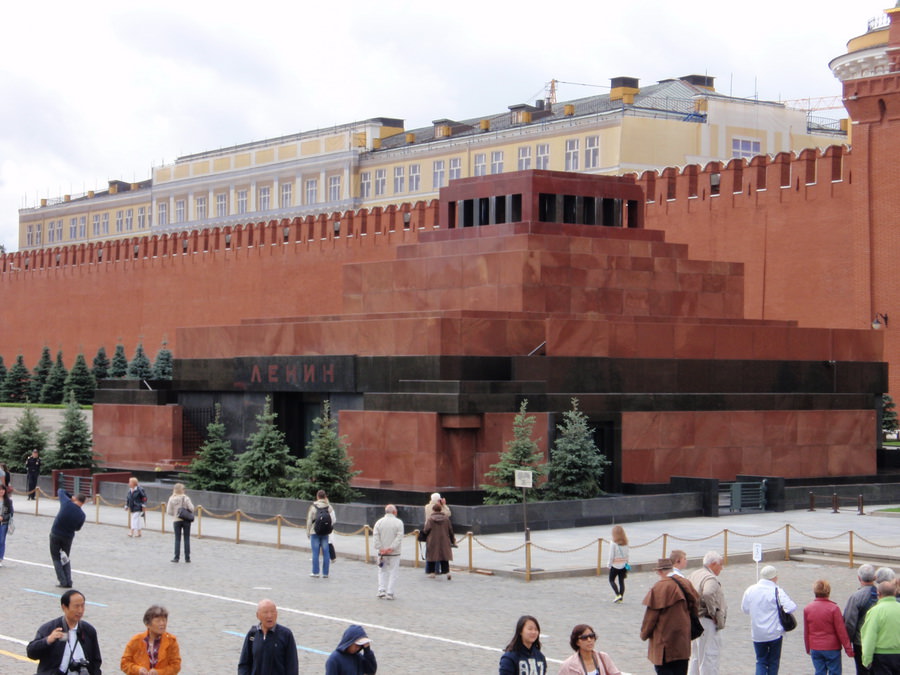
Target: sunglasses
589	636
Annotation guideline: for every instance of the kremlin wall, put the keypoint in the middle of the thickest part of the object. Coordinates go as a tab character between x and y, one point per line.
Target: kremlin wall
713	321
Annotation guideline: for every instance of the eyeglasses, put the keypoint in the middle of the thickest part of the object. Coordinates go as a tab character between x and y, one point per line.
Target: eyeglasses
589	636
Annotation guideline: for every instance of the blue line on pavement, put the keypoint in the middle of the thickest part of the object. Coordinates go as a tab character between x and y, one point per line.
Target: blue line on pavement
299	647
56	595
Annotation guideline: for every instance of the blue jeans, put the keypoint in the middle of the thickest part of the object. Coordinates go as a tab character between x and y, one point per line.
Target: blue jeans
768	657
182	529
319	544
3	530
826	661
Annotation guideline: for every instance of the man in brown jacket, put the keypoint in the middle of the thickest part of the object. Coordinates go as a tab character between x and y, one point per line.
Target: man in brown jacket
667	621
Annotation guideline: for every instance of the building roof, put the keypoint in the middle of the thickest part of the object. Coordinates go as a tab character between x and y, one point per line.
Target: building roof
673	98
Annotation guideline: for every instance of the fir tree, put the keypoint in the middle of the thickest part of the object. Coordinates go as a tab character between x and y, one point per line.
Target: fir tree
2	380
17	380
54	387
162	366
81	382
140	368
25	436
39	376
213	467
888	415
119	366
576	463
266	466
100	371
326	466
522	454
73	440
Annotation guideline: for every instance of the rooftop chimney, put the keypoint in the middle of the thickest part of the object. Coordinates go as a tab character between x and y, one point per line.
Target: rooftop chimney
624	89
703	81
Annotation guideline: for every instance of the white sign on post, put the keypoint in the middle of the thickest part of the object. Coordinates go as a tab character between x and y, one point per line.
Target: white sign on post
523	479
757	552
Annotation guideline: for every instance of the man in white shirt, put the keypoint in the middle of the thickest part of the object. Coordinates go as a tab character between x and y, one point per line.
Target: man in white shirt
388	533
760	603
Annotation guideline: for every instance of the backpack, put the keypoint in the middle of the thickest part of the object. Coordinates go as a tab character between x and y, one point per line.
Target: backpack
322	524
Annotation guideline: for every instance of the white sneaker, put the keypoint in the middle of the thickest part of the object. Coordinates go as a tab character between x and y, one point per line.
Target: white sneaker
381	594
314	576
389	596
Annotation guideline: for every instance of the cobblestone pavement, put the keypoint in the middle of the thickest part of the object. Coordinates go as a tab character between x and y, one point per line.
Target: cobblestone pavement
456	626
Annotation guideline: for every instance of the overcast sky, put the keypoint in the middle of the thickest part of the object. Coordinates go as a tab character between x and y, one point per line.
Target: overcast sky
93	91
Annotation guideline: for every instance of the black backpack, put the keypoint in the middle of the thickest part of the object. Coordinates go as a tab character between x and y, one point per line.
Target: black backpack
322	525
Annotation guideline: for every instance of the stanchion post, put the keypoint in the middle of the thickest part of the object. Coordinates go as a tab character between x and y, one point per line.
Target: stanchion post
665	544
787	542
812	501
860	503
37	498
725	547
162	519
416	556
97	511
237	529
278	524
851	549
199	522
528	560
834	502
366	537
470	538
599	556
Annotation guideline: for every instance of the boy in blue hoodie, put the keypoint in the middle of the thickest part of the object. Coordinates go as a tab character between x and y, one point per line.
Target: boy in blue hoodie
353	656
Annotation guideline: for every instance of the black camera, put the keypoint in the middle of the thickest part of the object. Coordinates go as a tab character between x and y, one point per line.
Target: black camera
79	666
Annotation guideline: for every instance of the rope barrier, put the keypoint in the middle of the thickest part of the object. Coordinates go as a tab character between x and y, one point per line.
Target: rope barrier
471	540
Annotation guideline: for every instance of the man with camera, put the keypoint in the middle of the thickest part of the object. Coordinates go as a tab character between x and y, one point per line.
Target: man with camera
67	644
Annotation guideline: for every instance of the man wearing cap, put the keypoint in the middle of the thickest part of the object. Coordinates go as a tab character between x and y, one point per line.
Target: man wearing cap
760	603
881	633
353	656
667	621
269	648
855	612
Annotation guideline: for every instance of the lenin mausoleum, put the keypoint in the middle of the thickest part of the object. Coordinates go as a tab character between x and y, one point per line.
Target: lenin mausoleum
713	320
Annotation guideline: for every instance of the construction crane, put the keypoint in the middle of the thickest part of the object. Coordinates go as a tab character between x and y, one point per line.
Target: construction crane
815	103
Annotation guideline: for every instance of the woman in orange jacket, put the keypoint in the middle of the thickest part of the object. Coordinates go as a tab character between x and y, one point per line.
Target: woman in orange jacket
154	651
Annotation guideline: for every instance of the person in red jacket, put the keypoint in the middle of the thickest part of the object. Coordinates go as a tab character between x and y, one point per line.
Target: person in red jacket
824	631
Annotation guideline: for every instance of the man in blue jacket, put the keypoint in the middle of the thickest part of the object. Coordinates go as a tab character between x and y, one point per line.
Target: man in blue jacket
68	521
353	656
269	648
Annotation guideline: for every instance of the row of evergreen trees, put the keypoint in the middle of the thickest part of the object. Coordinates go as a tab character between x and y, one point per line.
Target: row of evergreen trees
51	382
73	448
574	471
267	467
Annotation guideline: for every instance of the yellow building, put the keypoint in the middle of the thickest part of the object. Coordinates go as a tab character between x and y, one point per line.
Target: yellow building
377	162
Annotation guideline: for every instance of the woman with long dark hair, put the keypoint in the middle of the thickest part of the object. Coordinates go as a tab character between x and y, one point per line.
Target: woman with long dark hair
523	653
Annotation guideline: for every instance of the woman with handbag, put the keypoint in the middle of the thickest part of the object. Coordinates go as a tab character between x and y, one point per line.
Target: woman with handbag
6	514
181	509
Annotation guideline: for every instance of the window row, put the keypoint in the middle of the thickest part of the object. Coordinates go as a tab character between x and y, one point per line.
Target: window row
443	171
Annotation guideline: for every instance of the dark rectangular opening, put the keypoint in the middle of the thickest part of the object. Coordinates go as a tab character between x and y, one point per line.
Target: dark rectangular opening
516	209
570	209
590	211
547	208
500	209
